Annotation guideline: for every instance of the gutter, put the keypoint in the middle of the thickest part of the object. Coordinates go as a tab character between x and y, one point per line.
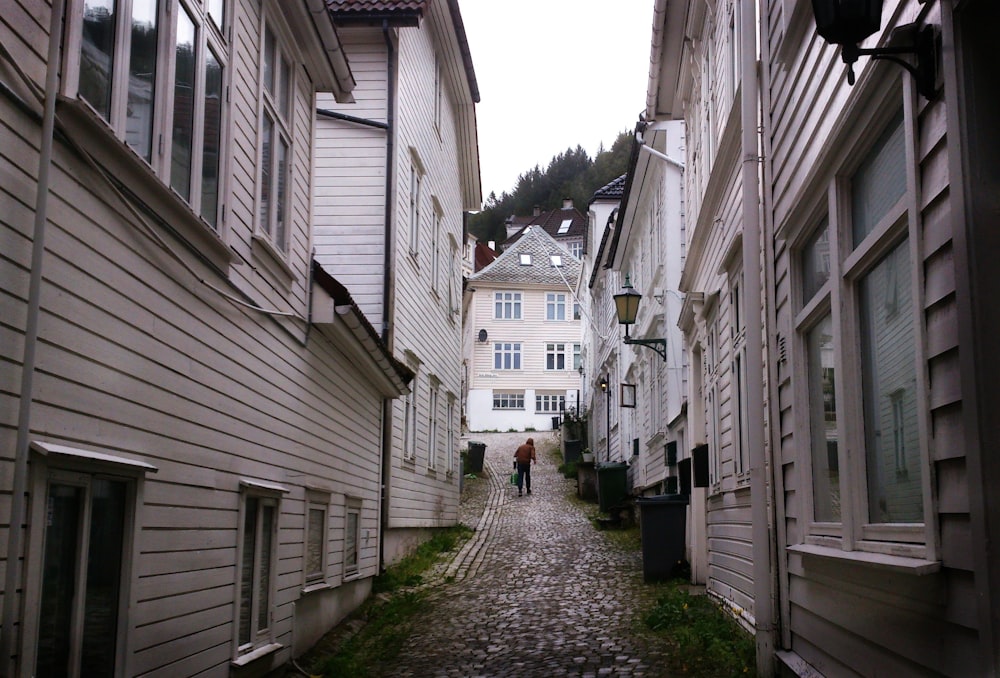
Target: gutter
762	586
12	576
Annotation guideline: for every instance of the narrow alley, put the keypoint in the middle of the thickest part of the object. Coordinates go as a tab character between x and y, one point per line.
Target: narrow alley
537	591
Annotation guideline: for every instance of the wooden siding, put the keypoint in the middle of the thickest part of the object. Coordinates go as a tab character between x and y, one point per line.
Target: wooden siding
849	618
138	359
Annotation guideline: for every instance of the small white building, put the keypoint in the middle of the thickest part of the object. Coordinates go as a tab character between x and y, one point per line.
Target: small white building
524	362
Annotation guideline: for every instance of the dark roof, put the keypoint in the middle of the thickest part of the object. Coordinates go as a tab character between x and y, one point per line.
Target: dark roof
551	222
540	245
613	190
405	13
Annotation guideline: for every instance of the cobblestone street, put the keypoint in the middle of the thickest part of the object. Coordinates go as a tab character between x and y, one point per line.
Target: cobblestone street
537	591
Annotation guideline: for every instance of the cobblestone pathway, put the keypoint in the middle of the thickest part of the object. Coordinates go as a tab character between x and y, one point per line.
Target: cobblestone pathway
537	591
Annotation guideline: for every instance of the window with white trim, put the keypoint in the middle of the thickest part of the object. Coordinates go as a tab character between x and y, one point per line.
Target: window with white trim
276	109
555	306
410	422
738	375
507	356
155	71
859	260
555	356
576	249
432	427
258	541
450	443
352	537
508	400
317	529
550	402
416	187
436	247
507	306
577	357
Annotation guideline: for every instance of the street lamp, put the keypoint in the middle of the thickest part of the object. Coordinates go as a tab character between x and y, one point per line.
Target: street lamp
849	22
627	306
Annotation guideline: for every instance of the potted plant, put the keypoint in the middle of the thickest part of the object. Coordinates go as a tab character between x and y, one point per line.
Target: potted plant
587	456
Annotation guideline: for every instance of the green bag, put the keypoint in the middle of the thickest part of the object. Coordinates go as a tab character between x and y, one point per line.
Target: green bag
513	478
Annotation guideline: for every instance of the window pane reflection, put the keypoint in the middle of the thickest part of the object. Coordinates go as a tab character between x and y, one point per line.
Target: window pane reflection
142	78
823	422
183	120
97	54
213	139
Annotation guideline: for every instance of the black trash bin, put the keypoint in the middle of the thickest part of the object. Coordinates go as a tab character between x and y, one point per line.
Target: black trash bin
612	485
477	452
662	521
555	423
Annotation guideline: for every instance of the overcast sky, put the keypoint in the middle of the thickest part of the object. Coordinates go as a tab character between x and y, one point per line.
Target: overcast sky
554	74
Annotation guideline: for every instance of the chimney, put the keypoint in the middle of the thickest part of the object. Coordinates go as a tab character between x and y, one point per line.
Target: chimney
538	210
567	203
493	245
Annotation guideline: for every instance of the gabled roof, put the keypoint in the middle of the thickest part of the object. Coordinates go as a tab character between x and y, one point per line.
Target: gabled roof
540	247
554	222
484	256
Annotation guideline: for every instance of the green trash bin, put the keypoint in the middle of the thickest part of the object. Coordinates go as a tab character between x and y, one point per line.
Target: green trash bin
612	485
662	521
477	452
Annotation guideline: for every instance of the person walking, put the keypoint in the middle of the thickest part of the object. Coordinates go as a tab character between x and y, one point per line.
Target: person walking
524	457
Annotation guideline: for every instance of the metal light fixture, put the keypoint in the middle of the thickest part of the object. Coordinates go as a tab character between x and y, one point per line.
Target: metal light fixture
849	22
603	384
627	305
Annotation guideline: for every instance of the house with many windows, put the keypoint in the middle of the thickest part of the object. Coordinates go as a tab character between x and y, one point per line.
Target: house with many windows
396	172
192	409
567	225
839	225
523	365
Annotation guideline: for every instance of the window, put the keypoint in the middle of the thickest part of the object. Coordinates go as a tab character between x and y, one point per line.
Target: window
577	357
87	519
410	422
555	260
555	356
863	267
436	248
352	537
564	226
576	311
525	260
155	72
450	444
555	306
576	249
508	400
506	356
550	402
438	93
275	139
258	557
416	183
507	306
317	512
432	427
738	402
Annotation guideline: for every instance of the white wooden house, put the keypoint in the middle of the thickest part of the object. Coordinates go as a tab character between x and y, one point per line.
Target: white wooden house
396	172
647	249
854	534
524	364
192	413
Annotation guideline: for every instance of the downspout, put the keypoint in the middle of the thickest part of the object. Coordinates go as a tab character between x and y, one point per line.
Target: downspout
20	479
386	451
763	606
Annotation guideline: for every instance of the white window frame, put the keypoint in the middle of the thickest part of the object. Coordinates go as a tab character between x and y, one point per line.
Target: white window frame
316	501
450	442
555	306
209	38
907	546
436	246
508	400
550	402
352	536
738	376
273	219
507	306
507	355
433	430
555	353
410	422
67	465
261	638
417	177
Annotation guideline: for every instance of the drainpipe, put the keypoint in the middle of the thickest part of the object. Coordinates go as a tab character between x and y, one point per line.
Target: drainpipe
760	530
20	479
386	451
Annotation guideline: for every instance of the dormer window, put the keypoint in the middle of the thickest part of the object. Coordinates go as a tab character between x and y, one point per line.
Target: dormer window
564	226
526	260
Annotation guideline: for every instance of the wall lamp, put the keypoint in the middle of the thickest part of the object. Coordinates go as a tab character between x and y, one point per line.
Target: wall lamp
627	305
603	384
848	22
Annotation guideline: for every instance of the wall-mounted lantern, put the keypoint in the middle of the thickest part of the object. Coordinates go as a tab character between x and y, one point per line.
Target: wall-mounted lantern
627	306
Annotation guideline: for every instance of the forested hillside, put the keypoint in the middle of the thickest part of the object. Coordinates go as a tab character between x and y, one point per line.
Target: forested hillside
571	174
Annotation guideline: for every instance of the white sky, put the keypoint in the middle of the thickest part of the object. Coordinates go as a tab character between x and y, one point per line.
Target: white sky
553	74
